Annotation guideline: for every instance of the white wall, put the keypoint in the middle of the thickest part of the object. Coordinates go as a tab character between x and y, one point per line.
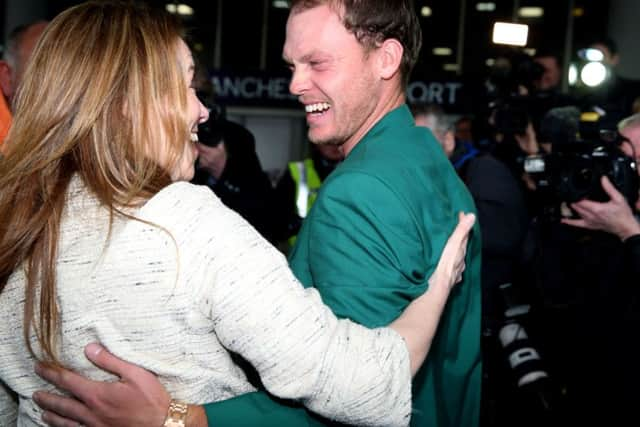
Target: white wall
280	135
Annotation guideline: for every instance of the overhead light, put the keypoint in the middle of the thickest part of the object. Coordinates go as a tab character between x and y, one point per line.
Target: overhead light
442	51
531	12
510	34
281	4
425	11
179	8
485	6
184	10
593	74
490	62
450	67
578	12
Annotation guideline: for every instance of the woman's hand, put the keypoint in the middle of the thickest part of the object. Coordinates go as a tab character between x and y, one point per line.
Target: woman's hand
451	265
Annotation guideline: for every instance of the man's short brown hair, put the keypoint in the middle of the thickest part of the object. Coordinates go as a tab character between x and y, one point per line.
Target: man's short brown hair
374	21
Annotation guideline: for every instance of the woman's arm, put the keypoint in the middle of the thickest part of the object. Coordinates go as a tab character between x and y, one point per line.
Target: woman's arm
419	321
417	330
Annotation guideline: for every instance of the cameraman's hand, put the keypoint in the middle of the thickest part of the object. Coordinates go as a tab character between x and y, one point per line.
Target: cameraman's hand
212	159
614	216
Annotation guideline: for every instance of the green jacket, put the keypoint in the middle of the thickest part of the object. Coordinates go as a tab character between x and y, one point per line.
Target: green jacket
369	244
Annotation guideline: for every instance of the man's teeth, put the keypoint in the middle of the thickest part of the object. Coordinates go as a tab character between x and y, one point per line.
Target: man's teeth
194	137
319	107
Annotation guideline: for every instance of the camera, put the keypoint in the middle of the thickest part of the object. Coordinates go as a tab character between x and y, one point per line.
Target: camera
512	72
572	171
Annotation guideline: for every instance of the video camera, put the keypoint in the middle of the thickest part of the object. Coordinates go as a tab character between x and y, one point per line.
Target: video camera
582	152
512	72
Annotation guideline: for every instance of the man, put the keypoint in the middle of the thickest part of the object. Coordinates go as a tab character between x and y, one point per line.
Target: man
551	78
617	94
297	189
18	50
229	165
432	117
374	234
589	276
615	216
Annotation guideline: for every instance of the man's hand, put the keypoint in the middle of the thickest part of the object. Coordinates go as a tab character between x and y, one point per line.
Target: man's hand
212	159
614	216
137	399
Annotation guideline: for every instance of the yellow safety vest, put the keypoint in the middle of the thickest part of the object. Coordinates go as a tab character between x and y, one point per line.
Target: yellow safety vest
307	185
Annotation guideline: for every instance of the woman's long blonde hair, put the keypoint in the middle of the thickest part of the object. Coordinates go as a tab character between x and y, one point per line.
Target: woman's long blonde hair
103	90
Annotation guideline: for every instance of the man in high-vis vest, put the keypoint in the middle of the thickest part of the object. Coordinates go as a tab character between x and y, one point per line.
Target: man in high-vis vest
298	187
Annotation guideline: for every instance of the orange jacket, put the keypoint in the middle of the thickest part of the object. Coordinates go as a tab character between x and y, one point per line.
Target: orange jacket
5	119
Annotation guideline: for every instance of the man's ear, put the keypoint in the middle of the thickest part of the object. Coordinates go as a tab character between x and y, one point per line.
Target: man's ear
5	79
449	143
390	56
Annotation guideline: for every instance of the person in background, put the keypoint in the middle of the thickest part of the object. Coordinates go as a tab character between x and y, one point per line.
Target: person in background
433	117
377	228
617	94
19	46
297	189
5	120
551	78
589	262
229	165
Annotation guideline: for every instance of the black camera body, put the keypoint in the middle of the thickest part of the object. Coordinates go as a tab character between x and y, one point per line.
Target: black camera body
573	171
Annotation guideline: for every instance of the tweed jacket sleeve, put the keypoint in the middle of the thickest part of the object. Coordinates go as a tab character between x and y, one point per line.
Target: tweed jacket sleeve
259	310
8	406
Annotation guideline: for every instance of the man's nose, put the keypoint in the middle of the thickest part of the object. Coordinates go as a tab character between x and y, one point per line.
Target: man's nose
300	81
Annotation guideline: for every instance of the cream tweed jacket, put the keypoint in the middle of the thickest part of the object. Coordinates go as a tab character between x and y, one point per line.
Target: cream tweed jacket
177	293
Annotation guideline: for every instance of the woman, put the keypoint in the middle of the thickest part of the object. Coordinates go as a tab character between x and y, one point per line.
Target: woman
101	242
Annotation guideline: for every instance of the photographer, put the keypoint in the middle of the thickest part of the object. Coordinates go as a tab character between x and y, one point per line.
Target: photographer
615	216
588	275
228	164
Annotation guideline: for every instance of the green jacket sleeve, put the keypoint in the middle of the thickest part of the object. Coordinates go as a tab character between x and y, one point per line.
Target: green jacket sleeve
365	270
369	258
259	409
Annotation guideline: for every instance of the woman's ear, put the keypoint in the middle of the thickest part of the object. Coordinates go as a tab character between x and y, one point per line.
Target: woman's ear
390	57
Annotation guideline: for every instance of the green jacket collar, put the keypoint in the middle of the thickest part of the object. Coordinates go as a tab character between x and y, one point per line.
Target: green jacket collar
399	117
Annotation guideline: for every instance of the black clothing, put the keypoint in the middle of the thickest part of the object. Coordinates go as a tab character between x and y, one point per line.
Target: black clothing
587	285
615	96
243	185
503	219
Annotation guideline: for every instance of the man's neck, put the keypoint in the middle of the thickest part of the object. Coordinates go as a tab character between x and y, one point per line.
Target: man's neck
387	104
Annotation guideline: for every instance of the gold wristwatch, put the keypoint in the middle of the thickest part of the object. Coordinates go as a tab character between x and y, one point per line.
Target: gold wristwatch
176	415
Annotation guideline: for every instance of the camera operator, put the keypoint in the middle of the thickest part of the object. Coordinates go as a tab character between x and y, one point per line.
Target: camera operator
229	165
615	216
588	275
